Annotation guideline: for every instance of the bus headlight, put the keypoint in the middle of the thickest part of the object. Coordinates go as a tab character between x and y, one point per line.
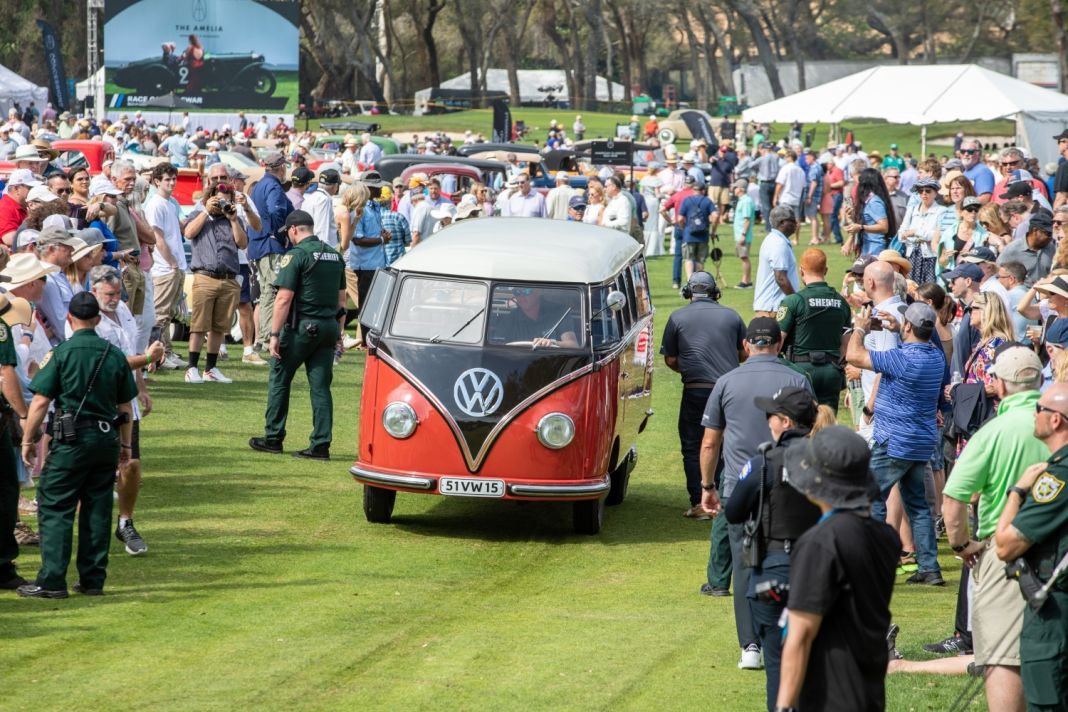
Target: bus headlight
556	430
399	420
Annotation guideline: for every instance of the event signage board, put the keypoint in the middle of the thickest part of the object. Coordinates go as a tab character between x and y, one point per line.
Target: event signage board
611	153
202	55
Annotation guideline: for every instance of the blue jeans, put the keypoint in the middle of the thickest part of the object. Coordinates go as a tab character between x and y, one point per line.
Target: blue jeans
676	266
909	476
691	432
836	226
776	566
767	195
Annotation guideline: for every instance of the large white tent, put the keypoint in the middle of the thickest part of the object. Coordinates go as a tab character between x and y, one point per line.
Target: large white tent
531	85
929	94
14	88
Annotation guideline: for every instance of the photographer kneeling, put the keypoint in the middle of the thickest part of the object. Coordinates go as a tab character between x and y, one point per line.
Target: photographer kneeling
775	516
216	233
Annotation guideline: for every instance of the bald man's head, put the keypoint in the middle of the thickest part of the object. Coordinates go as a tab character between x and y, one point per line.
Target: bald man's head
1051	420
879	280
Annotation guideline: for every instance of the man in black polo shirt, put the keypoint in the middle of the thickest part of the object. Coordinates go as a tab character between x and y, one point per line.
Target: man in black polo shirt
702	341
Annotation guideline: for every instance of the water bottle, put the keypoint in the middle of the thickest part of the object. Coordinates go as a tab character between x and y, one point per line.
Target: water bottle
957	378
856	401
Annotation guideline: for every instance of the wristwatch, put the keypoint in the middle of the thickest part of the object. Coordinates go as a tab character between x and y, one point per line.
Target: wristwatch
960	547
708	488
1018	490
276	333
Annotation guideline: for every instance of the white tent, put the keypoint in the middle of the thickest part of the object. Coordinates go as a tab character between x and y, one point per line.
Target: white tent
14	88
531	83
929	94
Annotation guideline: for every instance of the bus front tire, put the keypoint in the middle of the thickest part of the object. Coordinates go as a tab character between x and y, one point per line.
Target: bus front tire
588	515
378	504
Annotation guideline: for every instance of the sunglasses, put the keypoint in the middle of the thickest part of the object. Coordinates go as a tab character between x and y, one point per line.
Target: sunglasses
522	291
969	151
63	191
971	209
927	190
1010	163
1039	408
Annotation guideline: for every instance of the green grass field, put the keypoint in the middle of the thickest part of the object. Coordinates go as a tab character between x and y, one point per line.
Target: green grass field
874	134
265	589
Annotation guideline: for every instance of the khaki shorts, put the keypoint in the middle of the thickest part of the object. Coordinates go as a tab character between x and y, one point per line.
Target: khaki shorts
720	195
997	612
352	287
695	251
741	250
213	304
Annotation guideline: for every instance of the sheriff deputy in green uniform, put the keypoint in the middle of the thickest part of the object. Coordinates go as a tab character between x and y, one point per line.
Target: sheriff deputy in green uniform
1034	526
92	387
813	323
305	327
13	310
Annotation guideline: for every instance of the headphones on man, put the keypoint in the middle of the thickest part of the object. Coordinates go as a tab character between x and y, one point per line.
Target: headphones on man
701	283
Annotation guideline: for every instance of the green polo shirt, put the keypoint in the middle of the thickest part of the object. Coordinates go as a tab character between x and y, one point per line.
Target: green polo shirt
7	346
315	272
67	370
995	457
814	319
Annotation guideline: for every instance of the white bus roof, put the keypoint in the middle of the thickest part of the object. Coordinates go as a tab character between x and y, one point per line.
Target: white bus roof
533	249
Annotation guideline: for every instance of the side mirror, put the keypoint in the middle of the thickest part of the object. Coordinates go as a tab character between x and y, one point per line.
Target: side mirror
616	300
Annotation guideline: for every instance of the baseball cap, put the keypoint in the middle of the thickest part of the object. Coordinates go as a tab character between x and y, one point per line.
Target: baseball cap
966	270
922	317
302	176
329	177
690	180
84	306
893	146
41	194
979	254
274	159
970	202
577	202
1017	189
299	217
23	176
740	184
53	235
763	331
1017	364
860	264
702	283
1057	333
1042	220
792	401
102	186
1061	135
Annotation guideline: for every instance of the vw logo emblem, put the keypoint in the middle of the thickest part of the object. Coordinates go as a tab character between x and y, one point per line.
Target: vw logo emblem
478	392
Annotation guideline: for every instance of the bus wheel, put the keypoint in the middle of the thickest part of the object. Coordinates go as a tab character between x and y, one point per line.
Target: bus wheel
378	504
588	516
620	478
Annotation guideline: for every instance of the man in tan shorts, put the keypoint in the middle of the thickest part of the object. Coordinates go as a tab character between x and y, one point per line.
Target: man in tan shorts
216	232
989	466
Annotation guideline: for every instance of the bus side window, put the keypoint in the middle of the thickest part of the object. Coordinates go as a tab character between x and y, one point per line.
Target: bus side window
641	288
604	326
626	314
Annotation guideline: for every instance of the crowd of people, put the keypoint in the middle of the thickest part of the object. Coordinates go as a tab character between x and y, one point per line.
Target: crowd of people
946	339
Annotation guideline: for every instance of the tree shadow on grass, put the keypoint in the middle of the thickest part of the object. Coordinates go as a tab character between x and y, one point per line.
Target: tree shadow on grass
645	516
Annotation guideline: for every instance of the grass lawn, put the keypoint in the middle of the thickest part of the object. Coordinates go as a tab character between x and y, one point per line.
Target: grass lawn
265	589
874	134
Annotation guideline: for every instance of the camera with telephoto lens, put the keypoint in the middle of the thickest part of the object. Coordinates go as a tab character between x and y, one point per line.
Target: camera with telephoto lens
772	591
63	428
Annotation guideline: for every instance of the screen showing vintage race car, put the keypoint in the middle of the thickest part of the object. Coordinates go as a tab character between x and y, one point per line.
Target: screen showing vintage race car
202	54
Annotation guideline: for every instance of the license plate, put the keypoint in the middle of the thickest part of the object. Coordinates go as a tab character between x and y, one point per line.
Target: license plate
470	487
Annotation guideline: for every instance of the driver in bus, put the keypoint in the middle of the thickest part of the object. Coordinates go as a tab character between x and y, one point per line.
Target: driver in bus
530	322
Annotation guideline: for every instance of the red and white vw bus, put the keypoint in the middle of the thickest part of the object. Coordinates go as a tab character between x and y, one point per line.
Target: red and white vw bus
508	358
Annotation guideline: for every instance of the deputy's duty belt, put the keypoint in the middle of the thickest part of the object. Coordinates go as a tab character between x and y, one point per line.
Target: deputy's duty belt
699	384
780	545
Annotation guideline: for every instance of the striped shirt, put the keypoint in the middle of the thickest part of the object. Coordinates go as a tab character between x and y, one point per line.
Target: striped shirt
400	235
907	399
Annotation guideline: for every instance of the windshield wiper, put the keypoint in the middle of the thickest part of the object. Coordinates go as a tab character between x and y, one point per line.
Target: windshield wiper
558	322
437	337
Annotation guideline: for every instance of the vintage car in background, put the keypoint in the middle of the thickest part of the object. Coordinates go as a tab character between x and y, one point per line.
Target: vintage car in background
507	360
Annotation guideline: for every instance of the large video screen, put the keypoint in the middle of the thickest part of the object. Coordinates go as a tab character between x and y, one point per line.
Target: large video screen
204	55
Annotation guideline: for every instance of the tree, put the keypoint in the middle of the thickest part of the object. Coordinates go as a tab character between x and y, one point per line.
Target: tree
424	14
750	14
516	15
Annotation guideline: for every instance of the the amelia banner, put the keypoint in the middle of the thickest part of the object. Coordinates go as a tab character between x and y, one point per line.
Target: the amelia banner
225	55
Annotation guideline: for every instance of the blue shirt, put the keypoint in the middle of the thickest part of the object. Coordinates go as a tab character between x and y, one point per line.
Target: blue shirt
874	211
700	206
273	207
698	176
776	255
401	235
369	226
815	173
111	243
982	178
907	399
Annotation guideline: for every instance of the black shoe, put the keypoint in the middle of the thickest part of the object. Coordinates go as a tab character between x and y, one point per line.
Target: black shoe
744	285
927	578
13	583
32	590
78	588
265	445
953	645
319	452
135	545
708	589
891	642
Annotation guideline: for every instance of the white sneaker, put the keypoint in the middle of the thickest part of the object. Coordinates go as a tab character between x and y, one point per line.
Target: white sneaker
349	343
751	658
176	361
215	375
169	362
192	375
223	354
